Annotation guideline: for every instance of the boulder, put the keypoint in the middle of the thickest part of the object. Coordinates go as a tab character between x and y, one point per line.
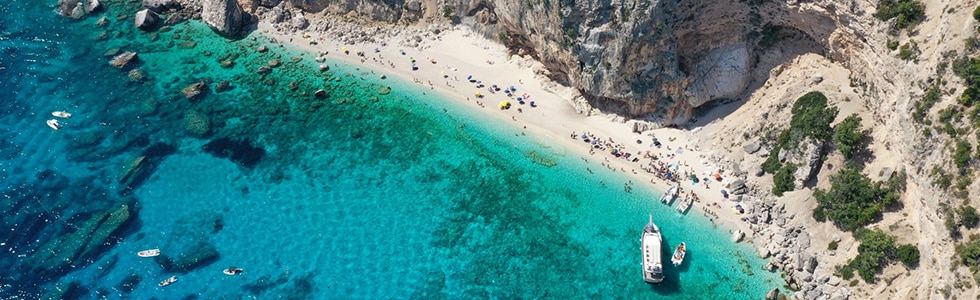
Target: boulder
195	89
146	19
136	75
262	49
751	147
122	60
321	94
414	6
222	86
77	9
324	68
269	3
223	16
161	5
772	294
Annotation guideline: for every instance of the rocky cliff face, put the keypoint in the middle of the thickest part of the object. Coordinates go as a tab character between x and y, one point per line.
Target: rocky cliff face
654	60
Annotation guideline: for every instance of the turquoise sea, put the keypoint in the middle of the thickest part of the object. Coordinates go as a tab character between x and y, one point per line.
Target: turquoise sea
365	194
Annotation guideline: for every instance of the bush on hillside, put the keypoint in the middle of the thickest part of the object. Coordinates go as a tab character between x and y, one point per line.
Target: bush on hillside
877	249
970	254
784	180
853	201
976	13
907	13
848	135
968	216
908	254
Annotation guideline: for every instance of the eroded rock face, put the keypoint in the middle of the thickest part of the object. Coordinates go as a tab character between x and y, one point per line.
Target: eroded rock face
223	16
146	19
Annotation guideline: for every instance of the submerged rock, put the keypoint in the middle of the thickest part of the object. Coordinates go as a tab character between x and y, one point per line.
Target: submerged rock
262	49
196	123
199	256
321	94
136	75
384	90
239	151
122	60
264	70
540	159
81	245
194	90
274	63
222	86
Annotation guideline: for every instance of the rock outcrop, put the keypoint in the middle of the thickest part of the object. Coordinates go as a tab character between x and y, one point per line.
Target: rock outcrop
146	19
196	123
77	9
225	17
160	6
122	60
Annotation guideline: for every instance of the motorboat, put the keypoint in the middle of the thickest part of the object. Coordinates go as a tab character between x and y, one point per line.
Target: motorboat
168	281
53	123
679	253
669	196
686	204
61	114
650	243
232	271
149	253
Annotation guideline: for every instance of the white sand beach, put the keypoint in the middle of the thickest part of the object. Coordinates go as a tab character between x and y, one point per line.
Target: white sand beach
445	64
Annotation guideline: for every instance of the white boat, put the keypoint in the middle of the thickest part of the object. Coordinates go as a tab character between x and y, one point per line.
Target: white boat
686	204
653	269
737	236
168	281
232	271
149	253
53	123
669	195
679	253
61	114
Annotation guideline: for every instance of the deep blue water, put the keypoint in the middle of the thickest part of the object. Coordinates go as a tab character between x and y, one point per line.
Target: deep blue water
362	195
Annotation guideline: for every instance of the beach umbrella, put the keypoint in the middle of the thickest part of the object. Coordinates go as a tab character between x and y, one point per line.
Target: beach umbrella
504	104
584	136
512	88
532	104
468	77
520	99
724	193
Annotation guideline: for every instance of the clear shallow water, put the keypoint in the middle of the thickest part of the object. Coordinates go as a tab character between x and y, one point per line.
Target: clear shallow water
364	195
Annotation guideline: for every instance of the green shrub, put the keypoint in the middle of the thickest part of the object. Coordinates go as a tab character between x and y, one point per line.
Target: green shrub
961	156
848	135
876	250
447	11
784	180
976	13
892	45
772	163
968	216
907	13
832	245
908	254
908	51
853	201
971	253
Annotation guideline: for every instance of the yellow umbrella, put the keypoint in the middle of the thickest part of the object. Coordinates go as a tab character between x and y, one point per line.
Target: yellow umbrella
504	104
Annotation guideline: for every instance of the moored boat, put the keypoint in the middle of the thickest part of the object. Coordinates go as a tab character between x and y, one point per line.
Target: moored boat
61	114
53	123
679	253
653	269
149	253
168	281
231	271
686	204
669	195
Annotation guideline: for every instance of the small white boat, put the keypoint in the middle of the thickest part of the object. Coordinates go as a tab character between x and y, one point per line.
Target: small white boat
149	253
688	201
61	114
679	253
669	195
737	236
168	281
53	123
232	271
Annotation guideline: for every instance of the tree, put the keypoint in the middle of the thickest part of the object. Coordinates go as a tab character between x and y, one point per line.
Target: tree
908	254
976	13
784	180
971	253
848	134
968	216
961	156
853	201
876	250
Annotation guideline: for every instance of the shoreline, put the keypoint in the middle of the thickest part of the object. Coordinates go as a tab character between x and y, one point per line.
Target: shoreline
553	116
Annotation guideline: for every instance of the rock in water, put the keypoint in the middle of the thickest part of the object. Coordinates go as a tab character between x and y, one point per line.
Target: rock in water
196	123
161	5
146	19
194	90
121	60
223	16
